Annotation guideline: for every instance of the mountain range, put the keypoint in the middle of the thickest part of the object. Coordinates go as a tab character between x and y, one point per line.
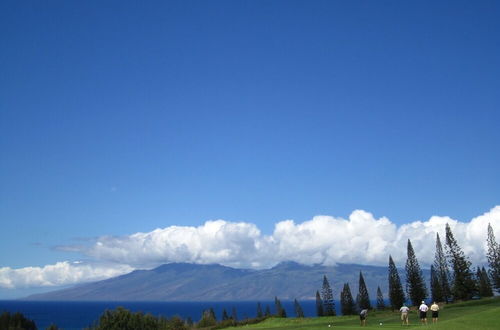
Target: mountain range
193	282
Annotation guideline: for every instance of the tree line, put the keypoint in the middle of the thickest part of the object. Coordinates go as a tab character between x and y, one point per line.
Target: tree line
124	319
452	278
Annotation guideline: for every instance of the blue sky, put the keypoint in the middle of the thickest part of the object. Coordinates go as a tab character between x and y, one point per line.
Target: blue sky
123	117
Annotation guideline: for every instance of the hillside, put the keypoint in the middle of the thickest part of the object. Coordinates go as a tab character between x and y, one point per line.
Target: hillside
190	282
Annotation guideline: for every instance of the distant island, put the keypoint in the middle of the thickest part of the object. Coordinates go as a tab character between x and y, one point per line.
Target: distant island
193	282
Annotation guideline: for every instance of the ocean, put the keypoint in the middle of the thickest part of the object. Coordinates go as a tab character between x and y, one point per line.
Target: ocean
78	315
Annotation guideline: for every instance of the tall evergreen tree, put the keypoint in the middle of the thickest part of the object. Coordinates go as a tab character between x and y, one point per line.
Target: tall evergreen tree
212	313
380	299
483	283
208	319
463	280
319	305
280	311
493	256
347	305
259	310
277	306
396	293
327	297
299	312
225	316
442	273
234	314
436	290
357	303
489	288
364	298
415	285
267	313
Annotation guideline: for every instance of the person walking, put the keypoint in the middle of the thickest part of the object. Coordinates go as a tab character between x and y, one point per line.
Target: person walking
362	317
423	312
404	314
435	312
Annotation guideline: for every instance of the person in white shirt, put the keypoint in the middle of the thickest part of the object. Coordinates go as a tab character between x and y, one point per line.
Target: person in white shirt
362	317
404	314
423	312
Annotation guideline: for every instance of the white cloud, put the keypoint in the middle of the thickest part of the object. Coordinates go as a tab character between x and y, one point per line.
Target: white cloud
324	239
361	238
61	273
236	244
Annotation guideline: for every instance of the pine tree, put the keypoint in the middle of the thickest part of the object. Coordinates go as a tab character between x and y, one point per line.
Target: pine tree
267	313
212	313
396	293
342	300
277	306
234	314
207	319
493	256
415	285
380	299
327	297
364	298
487	283
463	281
259	311
483	283
299	312
319	305
436	290
476	276
225	316
442	273
347	304
280	311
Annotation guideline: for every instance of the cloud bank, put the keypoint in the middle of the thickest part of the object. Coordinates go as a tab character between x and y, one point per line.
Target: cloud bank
61	273
361	238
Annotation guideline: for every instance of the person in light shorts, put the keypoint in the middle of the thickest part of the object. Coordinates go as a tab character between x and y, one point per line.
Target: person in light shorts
404	314
435	312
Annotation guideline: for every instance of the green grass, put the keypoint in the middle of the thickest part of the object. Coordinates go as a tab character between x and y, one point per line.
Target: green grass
479	314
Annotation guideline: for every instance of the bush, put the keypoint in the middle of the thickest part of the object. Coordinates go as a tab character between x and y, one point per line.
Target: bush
207	320
123	319
16	321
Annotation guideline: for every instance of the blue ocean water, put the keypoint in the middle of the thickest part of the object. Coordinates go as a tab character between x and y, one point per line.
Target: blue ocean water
78	315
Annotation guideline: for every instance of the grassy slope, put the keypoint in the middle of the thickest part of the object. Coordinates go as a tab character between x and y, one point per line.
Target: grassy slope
480	314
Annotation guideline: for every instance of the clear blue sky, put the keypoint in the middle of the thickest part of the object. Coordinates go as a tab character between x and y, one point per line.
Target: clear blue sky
125	116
